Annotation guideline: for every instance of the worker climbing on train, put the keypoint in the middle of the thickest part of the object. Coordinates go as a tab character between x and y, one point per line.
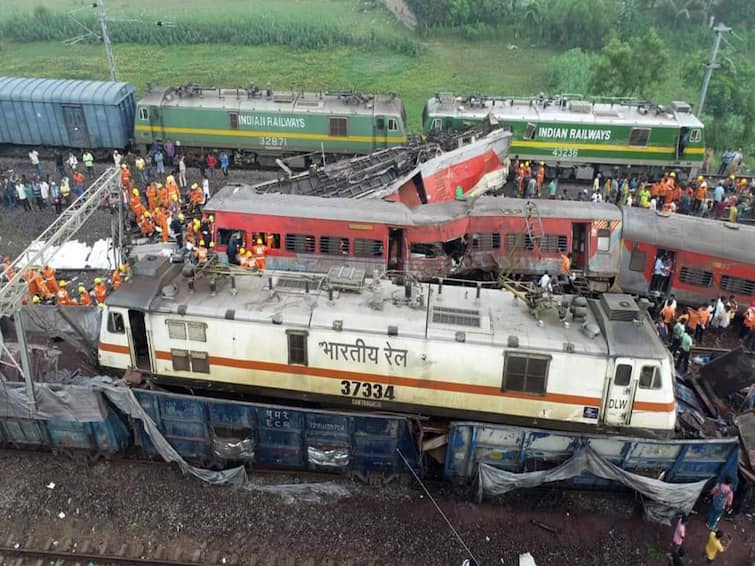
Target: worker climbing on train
146	226
48	272
120	275
177	228
259	254
63	298
100	291
125	177
152	197
539	178
85	299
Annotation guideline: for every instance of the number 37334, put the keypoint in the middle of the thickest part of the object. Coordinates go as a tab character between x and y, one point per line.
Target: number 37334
366	389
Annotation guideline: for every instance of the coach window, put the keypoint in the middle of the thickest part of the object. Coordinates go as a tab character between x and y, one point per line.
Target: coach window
234	117
638	137
200	362
488	241
297	347
339	127
176	329
623	375
333	245
529	131
527	374
364	247
392	125
695	276
115	323
604	240
197	331
225	235
437	124
180	359
650	378
301	243
143	113
637	260
737	285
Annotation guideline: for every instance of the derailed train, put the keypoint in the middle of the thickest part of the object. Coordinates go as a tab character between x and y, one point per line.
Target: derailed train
374	344
488	234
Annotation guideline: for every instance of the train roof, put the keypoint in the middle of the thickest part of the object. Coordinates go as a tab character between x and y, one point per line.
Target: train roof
243	198
551	110
371	307
64	91
690	233
256	100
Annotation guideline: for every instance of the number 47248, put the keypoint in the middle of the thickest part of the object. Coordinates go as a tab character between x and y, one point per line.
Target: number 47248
366	390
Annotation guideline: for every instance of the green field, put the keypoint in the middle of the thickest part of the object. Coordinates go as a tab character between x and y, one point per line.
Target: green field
452	65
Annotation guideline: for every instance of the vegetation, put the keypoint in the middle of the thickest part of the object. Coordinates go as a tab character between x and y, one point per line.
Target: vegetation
257	29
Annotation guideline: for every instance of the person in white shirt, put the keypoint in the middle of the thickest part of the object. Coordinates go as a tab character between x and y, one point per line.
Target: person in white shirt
206	189
597	197
117	158
34	158
44	190
545	283
72	162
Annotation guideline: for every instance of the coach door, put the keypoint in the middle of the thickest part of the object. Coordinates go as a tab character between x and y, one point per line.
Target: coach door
579	240
137	331
395	249
380	133
76	126
620	393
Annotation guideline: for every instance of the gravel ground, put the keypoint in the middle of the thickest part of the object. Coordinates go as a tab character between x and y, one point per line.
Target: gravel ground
153	504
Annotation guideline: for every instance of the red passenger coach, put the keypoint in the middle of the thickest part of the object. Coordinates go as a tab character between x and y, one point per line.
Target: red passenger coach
528	237
709	258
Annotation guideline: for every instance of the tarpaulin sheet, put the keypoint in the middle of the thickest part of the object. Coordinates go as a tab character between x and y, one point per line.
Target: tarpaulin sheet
666	500
79	326
79	403
126	401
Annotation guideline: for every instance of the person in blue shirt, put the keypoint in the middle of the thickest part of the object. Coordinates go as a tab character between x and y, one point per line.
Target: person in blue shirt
224	162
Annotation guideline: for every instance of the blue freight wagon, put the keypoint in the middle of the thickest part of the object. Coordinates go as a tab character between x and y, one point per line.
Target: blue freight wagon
213	432
520	449
66	113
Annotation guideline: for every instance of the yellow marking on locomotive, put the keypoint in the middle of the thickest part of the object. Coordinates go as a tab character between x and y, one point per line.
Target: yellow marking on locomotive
604	147
261	134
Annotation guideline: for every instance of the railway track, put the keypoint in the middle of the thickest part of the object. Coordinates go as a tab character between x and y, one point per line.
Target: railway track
36	552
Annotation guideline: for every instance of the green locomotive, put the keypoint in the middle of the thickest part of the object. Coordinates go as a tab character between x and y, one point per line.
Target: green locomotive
260	125
583	137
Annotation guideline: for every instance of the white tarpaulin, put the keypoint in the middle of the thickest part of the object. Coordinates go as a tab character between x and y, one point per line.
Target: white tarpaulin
666	500
75	255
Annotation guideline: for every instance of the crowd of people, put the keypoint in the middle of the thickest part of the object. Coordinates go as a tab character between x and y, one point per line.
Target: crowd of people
681	328
731	198
156	190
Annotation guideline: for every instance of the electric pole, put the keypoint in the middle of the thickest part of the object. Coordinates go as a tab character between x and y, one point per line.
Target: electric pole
720	30
102	17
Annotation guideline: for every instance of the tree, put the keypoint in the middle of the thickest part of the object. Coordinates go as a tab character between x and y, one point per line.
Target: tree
630	68
571	72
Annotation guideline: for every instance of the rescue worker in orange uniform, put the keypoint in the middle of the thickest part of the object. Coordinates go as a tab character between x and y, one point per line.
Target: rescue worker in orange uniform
145	224
31	285
100	291
248	259
662	191
701	193
64	299
8	271
125	177
48	273
85	299
190	236
161	221
119	276
136	204
196	197
173	193
540	177
259	254
151	197
162	196
43	290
